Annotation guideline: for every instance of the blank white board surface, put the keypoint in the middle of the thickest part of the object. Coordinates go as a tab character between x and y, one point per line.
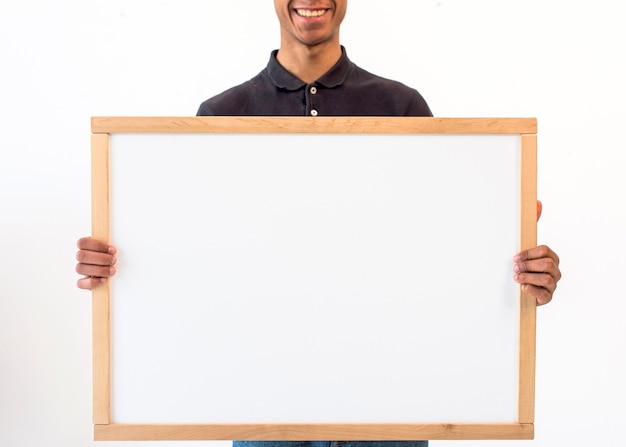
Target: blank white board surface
314	278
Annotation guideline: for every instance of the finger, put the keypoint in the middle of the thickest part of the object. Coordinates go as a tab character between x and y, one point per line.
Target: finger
90	244
95	258
539	209
95	270
542	251
540	286
542	295
89	283
542	265
543	280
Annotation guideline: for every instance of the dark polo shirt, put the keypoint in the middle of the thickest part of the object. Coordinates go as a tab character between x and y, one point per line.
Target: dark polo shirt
345	90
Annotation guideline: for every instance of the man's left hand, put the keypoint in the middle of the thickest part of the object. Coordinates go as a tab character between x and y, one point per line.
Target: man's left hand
537	270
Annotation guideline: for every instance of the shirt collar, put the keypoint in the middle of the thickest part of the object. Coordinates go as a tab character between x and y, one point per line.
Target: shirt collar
332	78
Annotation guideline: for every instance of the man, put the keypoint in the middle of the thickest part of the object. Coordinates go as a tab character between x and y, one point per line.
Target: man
311	75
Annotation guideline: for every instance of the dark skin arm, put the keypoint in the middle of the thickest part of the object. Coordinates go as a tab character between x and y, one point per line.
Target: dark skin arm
536	269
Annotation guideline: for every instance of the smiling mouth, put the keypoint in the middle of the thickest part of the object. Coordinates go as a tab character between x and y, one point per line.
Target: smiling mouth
310	13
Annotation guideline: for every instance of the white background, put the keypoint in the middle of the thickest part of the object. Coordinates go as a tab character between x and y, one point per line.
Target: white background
64	61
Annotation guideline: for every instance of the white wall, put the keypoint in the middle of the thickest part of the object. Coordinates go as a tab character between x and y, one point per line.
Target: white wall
64	61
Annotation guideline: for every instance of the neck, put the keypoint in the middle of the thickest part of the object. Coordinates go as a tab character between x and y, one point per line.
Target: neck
309	63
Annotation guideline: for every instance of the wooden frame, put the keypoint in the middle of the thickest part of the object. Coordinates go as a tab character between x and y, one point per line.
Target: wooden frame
107	429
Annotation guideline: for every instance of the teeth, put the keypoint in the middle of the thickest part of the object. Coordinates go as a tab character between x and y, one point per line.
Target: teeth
310	12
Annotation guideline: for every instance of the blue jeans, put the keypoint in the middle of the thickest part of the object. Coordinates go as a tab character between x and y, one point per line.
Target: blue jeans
330	443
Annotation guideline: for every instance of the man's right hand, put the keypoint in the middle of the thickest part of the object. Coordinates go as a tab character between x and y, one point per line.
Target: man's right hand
96	262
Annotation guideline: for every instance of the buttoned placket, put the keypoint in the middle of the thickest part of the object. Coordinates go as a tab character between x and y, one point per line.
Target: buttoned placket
311	93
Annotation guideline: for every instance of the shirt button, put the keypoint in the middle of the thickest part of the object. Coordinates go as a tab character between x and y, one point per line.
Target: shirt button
313	90
313	112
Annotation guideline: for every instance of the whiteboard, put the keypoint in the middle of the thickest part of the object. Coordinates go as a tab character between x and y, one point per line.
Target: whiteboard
313	279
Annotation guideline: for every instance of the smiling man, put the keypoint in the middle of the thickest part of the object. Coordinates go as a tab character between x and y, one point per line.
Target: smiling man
311	75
